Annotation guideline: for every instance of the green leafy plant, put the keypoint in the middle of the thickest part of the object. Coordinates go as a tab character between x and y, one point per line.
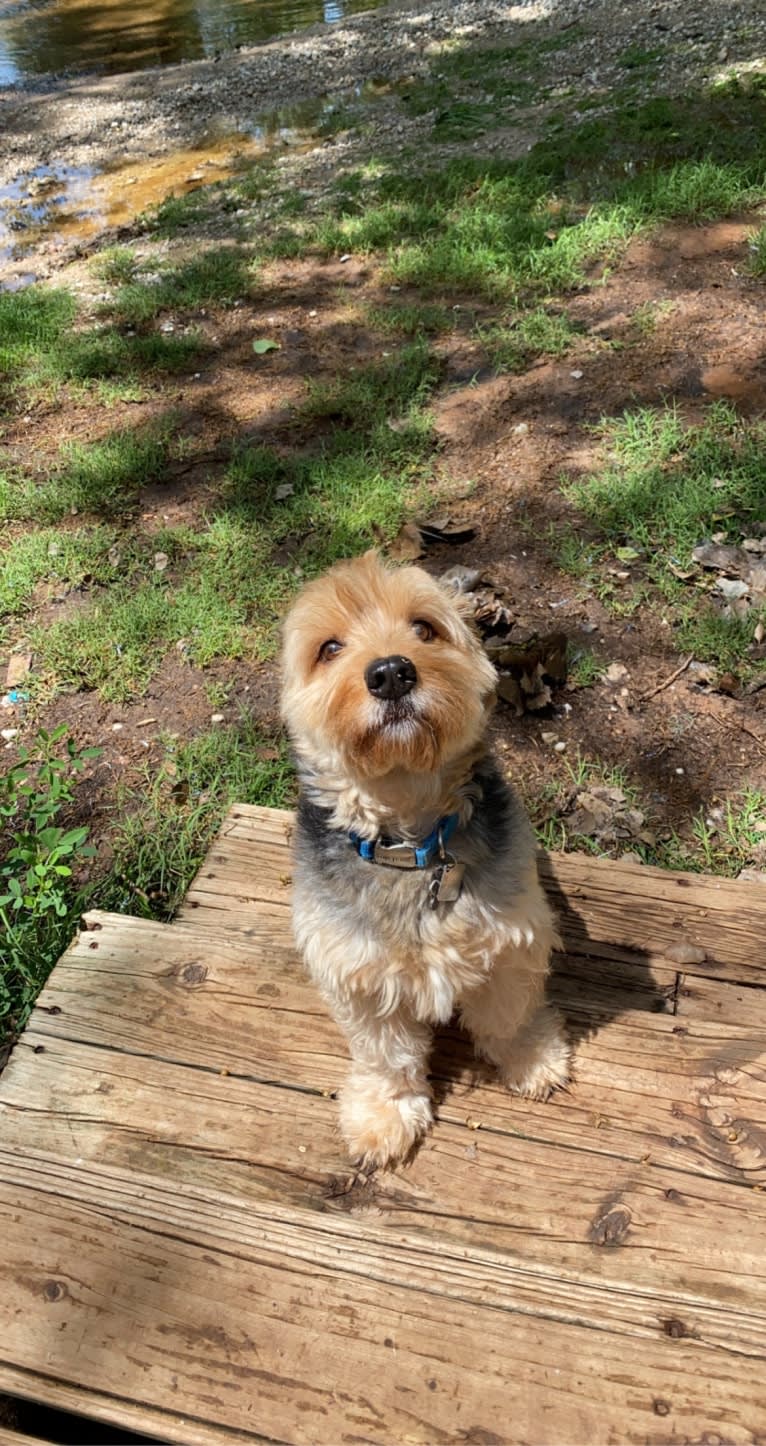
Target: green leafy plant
38	899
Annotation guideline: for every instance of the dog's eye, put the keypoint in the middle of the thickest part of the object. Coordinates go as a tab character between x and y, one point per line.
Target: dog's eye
425	631
329	649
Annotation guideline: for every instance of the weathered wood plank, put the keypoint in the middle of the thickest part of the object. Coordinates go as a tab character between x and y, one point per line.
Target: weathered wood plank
108	1407
16	1438
687	1094
617	1245
615	910
316	1331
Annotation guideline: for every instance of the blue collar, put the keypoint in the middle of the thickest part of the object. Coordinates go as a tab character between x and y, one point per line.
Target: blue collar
405	855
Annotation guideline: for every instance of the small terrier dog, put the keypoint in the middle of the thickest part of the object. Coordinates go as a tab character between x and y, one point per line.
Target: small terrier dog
415	882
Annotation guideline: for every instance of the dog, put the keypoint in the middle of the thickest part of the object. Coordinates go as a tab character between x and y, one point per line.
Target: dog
415	887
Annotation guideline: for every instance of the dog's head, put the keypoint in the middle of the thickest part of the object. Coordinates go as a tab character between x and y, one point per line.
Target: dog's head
382	671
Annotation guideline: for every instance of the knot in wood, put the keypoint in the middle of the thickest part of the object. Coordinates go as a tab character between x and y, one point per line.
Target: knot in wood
192	975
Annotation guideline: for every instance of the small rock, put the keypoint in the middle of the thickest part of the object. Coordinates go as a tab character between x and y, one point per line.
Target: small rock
9	734
217	717
19	664
560	747
576	375
521	429
548	737
161	561
117	727
616	672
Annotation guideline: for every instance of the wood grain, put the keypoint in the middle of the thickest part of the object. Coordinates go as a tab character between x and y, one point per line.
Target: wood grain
188	1253
310	1331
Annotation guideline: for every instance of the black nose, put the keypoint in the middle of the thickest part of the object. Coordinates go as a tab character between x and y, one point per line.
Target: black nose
391	677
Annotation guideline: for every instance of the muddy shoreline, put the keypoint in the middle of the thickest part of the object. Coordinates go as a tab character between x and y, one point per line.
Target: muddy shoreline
105	122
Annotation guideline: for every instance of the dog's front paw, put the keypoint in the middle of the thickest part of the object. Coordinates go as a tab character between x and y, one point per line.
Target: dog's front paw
380	1127
539	1061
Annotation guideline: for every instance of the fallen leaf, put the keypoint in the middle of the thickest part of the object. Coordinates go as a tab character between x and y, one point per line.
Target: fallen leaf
431	532
759	633
725	559
627	554
285	490
407	545
728	683
263	345
754	544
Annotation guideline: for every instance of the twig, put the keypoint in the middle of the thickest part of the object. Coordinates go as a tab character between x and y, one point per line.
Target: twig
666	684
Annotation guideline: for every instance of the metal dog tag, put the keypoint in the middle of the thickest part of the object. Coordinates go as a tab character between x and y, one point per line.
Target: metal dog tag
446	883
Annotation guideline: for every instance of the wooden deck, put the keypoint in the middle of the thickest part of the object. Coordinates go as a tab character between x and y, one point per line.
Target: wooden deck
185	1252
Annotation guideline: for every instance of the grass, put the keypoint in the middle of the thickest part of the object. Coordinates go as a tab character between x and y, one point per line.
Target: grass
513	346
102	478
585	668
663	489
169	823
721	841
50	556
215	277
668	485
44	346
537	225
412	319
224	590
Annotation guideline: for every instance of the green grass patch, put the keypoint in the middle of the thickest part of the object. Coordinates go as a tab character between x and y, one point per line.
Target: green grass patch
103	478
410	318
663	489
170	824
50	556
215	277
514	345
668	485
32	320
116	265
537	225
278	518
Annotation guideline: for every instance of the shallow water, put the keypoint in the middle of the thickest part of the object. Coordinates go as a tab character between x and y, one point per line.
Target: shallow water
39	37
64	204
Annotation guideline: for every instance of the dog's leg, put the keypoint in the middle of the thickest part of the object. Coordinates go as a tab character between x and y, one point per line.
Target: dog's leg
385	1104
513	1027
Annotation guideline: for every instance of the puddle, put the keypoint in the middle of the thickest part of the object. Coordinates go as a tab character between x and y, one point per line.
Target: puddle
65	204
44	37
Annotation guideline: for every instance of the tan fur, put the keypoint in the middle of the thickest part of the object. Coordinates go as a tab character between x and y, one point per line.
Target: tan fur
387	965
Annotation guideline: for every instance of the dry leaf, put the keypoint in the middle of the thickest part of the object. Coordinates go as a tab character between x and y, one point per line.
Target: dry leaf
724	558
407	545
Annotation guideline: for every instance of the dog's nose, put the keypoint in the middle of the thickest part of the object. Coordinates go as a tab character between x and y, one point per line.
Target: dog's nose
391	677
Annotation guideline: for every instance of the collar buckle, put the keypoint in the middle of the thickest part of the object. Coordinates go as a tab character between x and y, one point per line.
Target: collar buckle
394	855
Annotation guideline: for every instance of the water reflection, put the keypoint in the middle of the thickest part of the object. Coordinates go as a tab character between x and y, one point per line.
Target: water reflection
50	36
